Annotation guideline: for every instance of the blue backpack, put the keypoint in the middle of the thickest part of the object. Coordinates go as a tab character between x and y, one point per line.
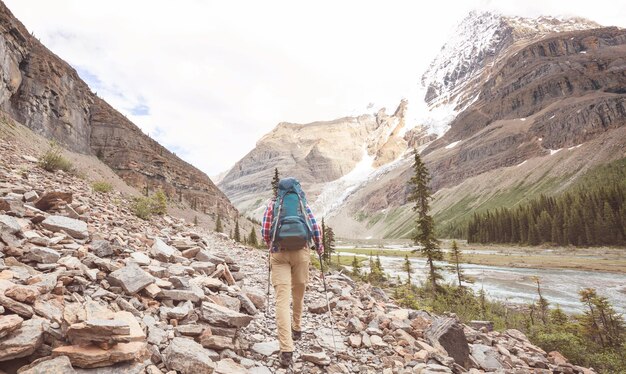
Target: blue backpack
290	225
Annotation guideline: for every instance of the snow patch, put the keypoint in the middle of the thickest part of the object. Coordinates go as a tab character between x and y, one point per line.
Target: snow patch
521	163
522	119
369	237
574	147
583	52
553	151
540	139
452	145
554	115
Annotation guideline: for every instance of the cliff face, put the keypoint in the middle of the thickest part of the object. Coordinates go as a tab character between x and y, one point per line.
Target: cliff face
43	92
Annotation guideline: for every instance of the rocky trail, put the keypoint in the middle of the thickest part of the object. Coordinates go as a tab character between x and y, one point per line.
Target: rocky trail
86	287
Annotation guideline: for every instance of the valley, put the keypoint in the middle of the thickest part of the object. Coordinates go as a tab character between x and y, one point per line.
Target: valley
506	273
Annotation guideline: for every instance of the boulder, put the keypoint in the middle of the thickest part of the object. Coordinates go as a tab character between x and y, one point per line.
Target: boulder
102	248
131	278
486	357
23	341
187	357
163	252
77	229
9	225
9	324
42	255
448	334
228	366
318	358
222	316
52	199
24	294
266	348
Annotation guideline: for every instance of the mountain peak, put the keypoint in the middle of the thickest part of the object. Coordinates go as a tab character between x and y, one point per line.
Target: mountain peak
476	44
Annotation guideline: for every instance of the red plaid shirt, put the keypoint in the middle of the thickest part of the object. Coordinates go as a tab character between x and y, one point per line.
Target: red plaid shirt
266	227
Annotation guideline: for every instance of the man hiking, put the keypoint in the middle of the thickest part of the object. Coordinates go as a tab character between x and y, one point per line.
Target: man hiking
289	228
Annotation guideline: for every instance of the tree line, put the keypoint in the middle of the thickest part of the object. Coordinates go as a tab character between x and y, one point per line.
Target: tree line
592	214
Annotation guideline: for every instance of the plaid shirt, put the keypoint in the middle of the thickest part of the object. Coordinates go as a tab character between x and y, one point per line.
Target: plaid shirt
266	227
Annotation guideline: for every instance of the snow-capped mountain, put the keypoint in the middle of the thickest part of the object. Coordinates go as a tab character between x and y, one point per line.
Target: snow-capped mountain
502	93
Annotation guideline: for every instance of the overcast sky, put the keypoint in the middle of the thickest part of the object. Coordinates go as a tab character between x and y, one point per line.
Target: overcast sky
207	79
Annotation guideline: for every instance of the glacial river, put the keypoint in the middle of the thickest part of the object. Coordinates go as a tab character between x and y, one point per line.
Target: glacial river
516	285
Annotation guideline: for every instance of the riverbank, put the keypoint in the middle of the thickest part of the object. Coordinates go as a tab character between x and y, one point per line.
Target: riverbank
602	259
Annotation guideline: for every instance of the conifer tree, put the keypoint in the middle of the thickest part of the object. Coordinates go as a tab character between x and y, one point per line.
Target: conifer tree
542	303
406	266
455	257
237	234
218	224
275	181
252	239
425	230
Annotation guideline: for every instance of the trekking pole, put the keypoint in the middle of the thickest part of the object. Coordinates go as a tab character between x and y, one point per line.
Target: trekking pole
330	315
269	271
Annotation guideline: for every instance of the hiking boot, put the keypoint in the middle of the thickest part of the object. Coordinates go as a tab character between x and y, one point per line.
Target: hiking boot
286	359
296	335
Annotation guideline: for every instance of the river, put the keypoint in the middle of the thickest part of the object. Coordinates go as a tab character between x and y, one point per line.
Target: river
516	285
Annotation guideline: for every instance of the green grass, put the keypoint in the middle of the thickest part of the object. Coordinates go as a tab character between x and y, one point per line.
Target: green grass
53	159
102	186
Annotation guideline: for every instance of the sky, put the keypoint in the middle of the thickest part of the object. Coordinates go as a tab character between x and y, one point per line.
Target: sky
207	79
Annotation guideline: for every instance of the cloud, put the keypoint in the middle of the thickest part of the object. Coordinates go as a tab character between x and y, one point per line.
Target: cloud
207	79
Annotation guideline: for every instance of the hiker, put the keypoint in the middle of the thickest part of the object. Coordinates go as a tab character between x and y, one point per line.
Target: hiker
288	229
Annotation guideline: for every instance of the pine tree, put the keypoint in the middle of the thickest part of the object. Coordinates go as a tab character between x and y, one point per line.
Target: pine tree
542	303
218	224
406	266
455	257
329	247
252	239
275	181
424	230
237	234
558	317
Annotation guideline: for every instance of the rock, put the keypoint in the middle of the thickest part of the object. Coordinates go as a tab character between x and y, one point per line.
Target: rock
556	358
17	307
228	366
189	330
377	341
355	341
91	356
30	196
318	358
98	331
258	298
156	335
73	227
486	357
131	278
355	325
246	304
24	294
325	339
187	357
321	307
9	324
42	255
9	225
102	248
448	334
51	200
266	348
217	342
49	365
222	316
163	252
23	341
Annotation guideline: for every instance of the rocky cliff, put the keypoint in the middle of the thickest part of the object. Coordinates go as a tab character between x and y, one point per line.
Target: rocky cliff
43	92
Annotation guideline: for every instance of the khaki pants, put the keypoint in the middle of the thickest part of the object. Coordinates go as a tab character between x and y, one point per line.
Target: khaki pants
290	274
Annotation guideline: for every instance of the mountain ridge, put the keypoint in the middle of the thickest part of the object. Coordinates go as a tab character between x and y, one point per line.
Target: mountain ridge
40	90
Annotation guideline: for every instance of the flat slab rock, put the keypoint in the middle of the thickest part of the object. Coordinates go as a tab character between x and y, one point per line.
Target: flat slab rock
9	324
23	341
91	356
131	278
221	316
187	357
76	228
318	358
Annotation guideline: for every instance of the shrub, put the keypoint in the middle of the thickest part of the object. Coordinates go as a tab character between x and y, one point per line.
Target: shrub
53	160
101	186
145	207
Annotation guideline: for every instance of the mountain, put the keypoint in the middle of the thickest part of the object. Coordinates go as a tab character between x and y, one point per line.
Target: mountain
45	93
512	107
